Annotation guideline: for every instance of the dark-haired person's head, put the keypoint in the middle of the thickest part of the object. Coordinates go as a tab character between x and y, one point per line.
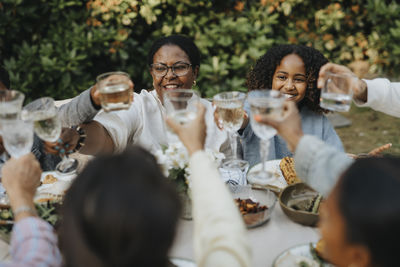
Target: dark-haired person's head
291	69
360	222
174	63
120	211
4	79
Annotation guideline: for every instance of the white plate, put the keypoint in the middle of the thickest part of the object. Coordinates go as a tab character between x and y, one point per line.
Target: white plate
292	257
56	189
273	167
183	262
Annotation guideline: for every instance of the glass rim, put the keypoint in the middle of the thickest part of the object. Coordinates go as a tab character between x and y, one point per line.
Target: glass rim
183	98
239	96
339	75
15	94
264	93
102	76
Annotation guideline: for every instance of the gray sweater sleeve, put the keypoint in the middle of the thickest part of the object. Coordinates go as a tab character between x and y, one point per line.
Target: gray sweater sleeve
318	164
79	110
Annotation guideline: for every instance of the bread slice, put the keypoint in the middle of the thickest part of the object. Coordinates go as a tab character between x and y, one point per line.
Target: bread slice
288	171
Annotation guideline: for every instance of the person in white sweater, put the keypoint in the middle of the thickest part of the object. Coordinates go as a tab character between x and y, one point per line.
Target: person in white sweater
219	231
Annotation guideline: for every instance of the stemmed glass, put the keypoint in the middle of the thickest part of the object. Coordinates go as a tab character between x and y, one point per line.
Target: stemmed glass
10	105
181	106
230	112
10	108
17	137
47	126
270	103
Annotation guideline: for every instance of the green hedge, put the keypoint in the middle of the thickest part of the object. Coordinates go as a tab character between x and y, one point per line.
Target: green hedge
57	47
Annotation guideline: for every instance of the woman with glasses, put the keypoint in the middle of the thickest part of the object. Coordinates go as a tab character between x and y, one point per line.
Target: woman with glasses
174	63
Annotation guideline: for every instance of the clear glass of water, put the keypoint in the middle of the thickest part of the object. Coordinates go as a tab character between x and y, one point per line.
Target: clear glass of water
17	137
270	103
47	125
337	93
229	108
115	90
181	106
10	105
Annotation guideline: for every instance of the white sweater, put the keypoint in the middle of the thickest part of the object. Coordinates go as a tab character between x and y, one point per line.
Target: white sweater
220	236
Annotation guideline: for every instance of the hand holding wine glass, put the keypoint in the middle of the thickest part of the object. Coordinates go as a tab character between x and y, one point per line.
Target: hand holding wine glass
65	144
181	106
47	126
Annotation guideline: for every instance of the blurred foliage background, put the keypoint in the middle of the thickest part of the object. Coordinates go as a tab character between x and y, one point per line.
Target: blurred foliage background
58	47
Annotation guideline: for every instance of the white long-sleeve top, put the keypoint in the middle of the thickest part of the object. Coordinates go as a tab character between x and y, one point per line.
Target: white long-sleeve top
144	124
383	96
220	237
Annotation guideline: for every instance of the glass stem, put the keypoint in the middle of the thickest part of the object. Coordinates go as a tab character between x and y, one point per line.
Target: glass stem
233	141
264	151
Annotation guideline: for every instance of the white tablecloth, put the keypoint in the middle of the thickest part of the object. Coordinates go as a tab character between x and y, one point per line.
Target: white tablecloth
267	241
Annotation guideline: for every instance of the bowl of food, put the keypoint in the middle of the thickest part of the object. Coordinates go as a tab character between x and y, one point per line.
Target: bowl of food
255	205
301	203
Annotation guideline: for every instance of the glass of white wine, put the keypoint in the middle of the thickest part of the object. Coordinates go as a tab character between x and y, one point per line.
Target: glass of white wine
230	112
44	115
269	103
181	106
115	90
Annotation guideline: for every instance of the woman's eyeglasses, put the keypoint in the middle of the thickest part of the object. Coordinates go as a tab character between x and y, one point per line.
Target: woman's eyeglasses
178	69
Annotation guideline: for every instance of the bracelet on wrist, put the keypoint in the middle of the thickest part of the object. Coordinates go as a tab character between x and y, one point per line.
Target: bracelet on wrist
82	137
22	209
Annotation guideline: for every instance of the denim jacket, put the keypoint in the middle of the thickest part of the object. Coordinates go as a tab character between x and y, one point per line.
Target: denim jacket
312	124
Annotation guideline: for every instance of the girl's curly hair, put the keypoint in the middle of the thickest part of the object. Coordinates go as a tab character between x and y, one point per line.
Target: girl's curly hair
261	75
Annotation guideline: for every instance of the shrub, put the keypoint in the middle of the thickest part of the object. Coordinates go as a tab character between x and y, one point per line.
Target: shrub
58	47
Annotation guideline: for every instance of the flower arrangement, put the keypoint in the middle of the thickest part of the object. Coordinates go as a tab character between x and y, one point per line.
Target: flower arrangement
174	161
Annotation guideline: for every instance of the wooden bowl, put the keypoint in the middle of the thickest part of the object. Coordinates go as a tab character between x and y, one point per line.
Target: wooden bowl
298	192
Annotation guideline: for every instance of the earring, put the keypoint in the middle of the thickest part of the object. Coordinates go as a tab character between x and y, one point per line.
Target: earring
194	82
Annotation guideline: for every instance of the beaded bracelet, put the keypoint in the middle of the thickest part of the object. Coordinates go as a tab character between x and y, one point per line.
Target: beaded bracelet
82	137
23	208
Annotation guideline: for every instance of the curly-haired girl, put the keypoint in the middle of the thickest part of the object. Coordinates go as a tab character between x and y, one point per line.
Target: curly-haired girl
293	70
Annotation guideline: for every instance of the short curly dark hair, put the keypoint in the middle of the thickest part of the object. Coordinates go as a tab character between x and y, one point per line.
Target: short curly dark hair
261	75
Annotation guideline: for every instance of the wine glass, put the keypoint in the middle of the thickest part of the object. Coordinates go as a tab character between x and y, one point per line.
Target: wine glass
115	90
181	106
337	93
10	108
10	105
47	126
230	112
270	103
17	137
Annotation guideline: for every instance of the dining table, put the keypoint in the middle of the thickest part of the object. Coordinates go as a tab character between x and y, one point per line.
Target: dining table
267	241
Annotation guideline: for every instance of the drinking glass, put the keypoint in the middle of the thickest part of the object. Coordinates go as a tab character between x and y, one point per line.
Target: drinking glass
181	106
10	105
337	93
115	91
229	108
270	103
17	137
47	125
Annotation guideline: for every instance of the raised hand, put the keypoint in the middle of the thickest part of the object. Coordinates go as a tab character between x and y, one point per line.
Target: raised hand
20	178
65	144
359	88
